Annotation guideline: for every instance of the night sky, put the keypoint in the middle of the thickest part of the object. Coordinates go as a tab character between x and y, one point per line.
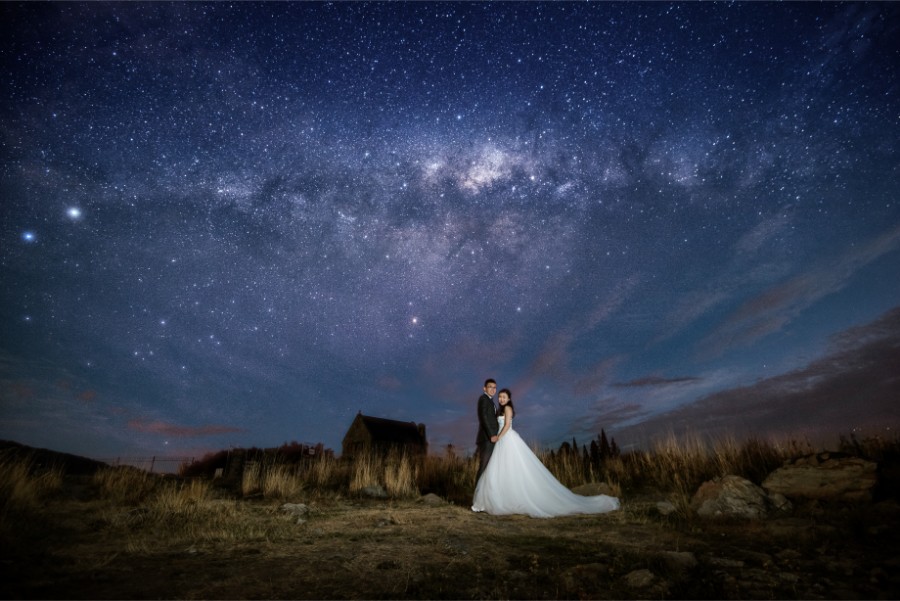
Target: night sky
239	225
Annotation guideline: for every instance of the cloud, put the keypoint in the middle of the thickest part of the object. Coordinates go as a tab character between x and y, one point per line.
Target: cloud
169	429
854	387
621	292
554	359
656	381
740	274
778	306
87	396
610	411
759	236
389	382
596	377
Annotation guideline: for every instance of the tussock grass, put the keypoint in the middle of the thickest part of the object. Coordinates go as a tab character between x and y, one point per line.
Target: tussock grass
179	498
674	467
124	484
282	482
400	473
395	471
23	485
365	472
273	480
451	477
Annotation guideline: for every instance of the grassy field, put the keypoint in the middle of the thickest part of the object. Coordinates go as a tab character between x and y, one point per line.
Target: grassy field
126	533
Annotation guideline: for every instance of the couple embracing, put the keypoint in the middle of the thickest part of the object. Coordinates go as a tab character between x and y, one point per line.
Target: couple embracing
511	478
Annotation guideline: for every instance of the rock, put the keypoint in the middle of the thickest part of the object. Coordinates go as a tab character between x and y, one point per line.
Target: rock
432	500
666	508
584	579
679	561
724	562
730	496
639	578
296	509
825	476
780	503
375	491
592	489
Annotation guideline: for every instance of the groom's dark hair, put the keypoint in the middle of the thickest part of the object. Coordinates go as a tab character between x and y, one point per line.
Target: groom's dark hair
489	381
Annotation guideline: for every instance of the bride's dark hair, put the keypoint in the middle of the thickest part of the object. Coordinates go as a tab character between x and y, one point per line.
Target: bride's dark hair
509	404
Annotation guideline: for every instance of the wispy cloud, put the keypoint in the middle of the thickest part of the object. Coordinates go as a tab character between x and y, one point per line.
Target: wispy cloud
610	411
553	361
656	381
170	429
778	306
740	273
855	386
762	233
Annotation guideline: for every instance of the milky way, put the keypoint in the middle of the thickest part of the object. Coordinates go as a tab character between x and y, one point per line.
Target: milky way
237	225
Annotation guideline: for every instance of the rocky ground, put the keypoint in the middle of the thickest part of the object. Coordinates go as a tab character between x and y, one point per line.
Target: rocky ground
82	548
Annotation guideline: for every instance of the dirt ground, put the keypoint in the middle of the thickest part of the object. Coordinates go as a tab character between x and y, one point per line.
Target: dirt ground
374	549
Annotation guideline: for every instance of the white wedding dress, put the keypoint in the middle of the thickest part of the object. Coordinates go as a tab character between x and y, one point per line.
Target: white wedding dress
516	482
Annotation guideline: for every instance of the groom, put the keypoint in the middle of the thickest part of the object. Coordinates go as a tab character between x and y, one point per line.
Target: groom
487	425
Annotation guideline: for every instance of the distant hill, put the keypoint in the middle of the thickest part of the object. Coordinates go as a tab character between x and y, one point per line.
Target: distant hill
71	464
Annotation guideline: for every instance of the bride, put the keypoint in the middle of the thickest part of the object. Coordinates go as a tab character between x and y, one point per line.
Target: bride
515	480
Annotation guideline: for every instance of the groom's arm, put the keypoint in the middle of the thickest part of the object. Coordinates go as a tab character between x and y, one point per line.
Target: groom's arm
486	417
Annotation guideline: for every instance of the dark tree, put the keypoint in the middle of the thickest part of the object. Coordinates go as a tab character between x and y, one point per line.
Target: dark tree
595	453
604	445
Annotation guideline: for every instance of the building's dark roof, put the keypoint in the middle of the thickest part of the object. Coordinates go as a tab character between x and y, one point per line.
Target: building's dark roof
389	430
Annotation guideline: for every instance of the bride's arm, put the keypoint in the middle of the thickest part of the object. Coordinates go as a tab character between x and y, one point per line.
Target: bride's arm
507	421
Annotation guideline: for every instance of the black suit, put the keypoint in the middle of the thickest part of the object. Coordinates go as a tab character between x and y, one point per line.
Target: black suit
487	427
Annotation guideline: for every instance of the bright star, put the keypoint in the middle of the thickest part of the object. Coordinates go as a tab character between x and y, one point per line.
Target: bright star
29	236
73	213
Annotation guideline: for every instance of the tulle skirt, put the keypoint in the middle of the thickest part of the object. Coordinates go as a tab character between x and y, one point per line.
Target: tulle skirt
516	482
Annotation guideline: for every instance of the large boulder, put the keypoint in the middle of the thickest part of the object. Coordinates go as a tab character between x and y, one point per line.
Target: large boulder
825	476
731	496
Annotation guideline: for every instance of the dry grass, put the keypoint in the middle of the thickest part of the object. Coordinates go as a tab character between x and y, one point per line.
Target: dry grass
400	476
23	486
203	541
179	498
674	467
282	482
125	484
395	471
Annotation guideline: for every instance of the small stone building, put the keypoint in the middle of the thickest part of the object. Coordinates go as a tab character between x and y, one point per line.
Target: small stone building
368	433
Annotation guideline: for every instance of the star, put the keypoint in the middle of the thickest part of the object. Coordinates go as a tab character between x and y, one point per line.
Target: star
676	227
